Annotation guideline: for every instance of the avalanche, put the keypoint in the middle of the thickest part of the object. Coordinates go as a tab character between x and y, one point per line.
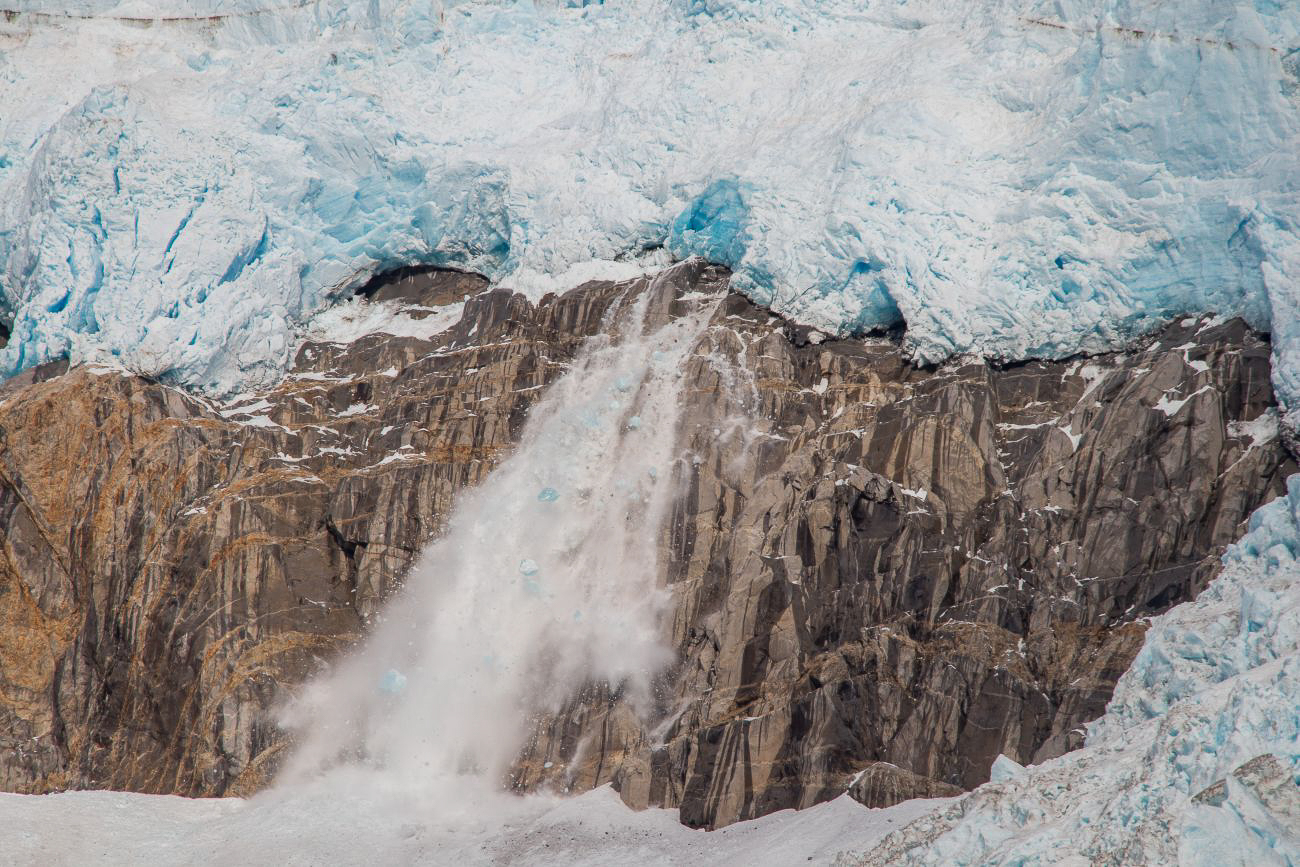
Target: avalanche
181	191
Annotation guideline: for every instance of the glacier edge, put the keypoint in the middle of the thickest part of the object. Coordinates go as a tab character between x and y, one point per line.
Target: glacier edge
1006	182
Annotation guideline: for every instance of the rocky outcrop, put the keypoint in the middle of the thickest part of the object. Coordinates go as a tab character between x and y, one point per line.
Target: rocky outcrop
881	784
924	567
873	566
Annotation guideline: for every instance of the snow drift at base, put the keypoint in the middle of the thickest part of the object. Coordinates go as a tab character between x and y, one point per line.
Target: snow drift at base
361	824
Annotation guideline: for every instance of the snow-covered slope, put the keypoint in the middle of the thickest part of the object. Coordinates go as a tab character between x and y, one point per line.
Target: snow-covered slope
181	192
1197	759
359	822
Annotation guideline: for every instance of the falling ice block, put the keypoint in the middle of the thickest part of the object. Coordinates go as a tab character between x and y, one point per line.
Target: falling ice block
634	422
528	567
393	682
548	495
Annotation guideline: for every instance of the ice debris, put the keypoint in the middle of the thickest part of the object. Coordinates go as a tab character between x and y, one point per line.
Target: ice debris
548	495
528	567
1005	769
393	682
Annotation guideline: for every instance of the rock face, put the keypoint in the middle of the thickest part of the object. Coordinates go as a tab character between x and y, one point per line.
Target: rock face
875	568
881	784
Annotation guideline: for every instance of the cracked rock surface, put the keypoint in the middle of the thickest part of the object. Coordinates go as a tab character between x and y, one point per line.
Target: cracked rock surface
882	575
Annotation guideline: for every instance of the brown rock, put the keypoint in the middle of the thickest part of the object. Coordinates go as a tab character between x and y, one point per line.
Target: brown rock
871	563
881	784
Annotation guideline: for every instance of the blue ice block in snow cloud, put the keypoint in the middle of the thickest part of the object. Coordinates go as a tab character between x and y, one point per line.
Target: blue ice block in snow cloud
393	682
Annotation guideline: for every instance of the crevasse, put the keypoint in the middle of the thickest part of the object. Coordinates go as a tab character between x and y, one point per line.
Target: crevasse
1012	179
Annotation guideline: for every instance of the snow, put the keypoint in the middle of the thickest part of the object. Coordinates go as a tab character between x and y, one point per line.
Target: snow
1212	690
357	318
1170	406
483	631
1004	768
364	823
1263	429
1013	179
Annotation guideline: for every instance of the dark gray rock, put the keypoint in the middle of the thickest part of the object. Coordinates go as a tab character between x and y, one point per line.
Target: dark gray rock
881	784
871	563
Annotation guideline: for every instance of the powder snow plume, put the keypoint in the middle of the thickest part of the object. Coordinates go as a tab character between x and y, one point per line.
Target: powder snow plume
545	578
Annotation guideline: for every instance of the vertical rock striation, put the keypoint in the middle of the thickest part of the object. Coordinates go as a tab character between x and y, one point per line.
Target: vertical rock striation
879	572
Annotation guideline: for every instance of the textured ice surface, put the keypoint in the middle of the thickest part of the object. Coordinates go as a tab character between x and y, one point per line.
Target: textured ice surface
1012	178
1215	686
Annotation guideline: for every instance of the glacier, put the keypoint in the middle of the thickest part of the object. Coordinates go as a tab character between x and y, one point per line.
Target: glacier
1197	758
182	186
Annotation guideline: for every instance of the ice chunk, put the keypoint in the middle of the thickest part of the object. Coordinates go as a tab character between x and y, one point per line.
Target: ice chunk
528	567
548	495
634	423
393	682
1005	769
713	225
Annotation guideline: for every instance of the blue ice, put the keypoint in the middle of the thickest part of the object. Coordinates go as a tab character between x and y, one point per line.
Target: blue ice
393	682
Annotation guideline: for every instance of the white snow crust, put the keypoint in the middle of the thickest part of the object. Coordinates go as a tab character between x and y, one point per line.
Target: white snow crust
183	185
356	822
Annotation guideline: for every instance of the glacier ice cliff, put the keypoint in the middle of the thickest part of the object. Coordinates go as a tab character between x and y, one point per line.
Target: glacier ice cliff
1197	758
180	190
